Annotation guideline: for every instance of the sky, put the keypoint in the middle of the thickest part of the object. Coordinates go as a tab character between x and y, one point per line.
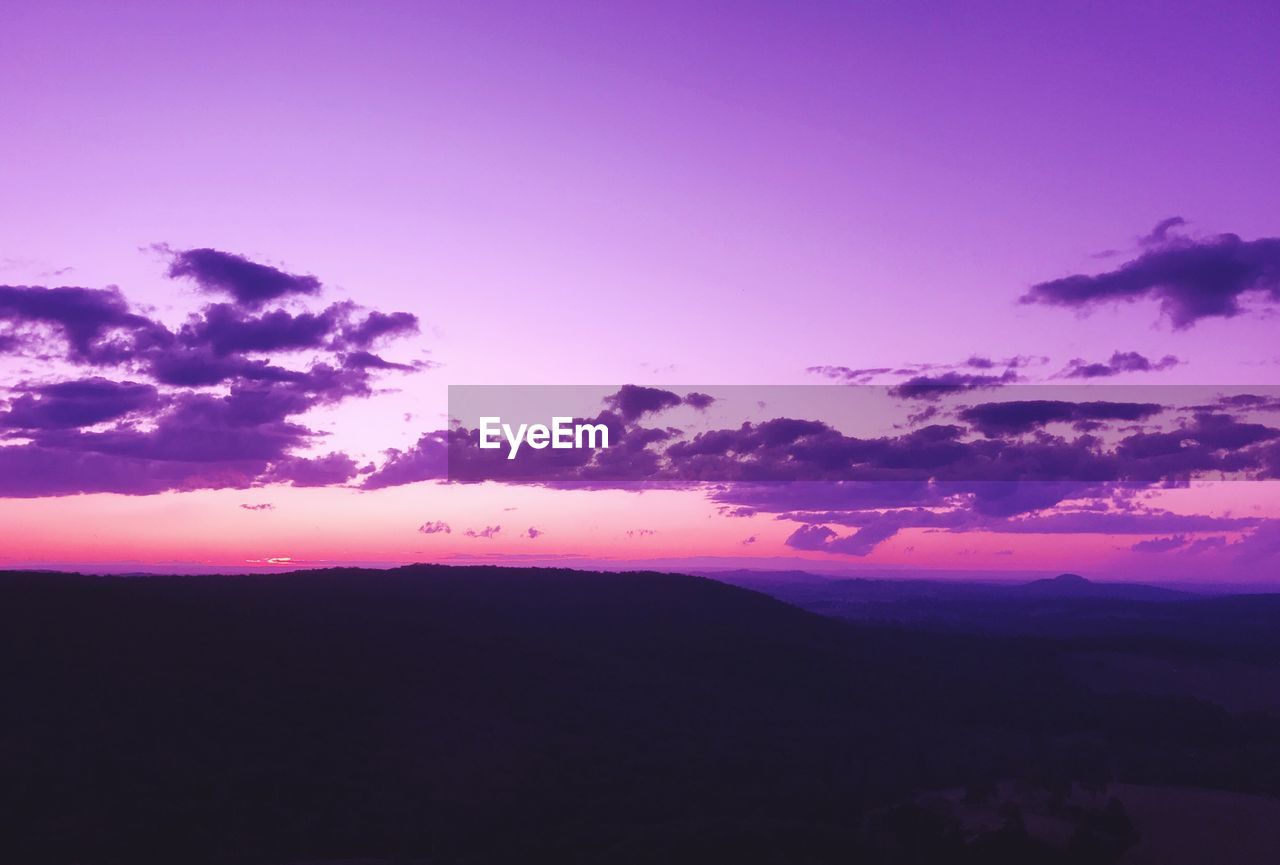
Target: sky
674	195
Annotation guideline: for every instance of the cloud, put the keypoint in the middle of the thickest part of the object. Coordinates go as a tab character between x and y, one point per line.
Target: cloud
1253	401
435	527
1257	546
634	401
874	530
28	471
77	403
426	460
699	401
1160	234
1121	361
819	538
850	375
533	534
1001	467
146	422
265	506
225	330
368	360
932	380
96	323
335	468
1160	545
965	515
250	283
1260	546
488	532
1000	442
934	386
811	537
1190	279
1020	416
377	326
1210	442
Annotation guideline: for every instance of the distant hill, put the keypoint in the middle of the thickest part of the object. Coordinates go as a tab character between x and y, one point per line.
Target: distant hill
1076	586
1067	606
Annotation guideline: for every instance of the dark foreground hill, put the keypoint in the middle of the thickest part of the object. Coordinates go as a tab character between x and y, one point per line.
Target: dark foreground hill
527	715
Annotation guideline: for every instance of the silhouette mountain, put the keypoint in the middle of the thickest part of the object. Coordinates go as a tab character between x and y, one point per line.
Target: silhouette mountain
1076	586
1068	580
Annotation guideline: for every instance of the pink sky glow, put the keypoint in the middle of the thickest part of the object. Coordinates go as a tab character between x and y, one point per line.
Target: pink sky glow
652	194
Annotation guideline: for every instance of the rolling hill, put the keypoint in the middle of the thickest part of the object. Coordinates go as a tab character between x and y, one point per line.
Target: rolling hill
498	714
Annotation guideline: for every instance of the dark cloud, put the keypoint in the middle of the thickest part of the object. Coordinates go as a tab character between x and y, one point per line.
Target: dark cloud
932	380
1202	545
634	401
997	443
335	468
1211	442
1020	416
368	360
250	283
78	403
225	330
240	428
851	375
1262	546
435	527
1160	545
33	470
1121	361
700	401
1015	479
487	533
934	386
122	434
861	542
96	323
1190	279
200	368
427	460
999	470
873	527
266	506
379	325
1160	234
811	537
1249	401
1257	546
533	534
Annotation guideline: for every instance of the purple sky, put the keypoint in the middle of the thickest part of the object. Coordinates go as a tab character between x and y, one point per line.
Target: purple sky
651	193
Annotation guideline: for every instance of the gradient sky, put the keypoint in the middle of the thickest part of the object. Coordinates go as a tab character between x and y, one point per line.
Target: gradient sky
648	193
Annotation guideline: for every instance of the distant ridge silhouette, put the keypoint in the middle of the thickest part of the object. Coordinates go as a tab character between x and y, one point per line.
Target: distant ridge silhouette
1070	585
